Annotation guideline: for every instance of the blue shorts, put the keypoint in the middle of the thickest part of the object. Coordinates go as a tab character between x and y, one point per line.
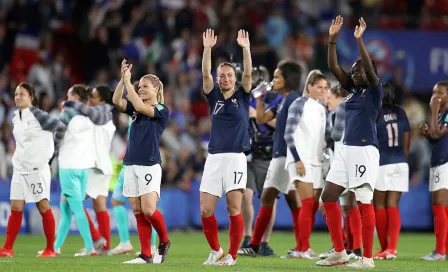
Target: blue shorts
74	182
118	190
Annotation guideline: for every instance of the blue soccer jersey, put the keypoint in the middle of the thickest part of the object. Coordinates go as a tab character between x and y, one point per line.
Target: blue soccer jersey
280	110
362	108
439	147
391	129
144	137
230	120
270	101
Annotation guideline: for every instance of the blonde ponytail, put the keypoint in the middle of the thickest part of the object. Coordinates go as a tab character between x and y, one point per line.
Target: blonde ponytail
310	80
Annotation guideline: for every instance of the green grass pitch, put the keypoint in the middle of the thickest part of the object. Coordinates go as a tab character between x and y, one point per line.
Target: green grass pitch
189	249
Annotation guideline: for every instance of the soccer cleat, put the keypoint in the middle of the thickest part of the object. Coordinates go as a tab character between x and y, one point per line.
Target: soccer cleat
98	244
214	257
228	260
246	241
362	263
265	250
292	254
122	248
388	254
47	254
6	252
326	254
84	252
140	259
248	250
309	254
334	259
434	256
162	252
56	250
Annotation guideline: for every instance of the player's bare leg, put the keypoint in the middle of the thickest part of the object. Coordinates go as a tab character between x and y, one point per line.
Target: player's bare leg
13	228
380	203
247	209
210	227
439	208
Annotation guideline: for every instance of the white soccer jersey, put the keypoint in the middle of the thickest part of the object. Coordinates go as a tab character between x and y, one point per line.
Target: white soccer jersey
305	131
103	141
34	145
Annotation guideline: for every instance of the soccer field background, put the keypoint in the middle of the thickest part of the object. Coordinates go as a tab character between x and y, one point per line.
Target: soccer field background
189	249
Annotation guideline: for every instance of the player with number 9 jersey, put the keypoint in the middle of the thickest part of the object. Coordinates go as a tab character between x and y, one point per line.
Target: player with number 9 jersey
142	161
393	178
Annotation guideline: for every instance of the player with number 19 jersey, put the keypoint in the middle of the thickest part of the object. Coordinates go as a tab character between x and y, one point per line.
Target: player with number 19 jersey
394	170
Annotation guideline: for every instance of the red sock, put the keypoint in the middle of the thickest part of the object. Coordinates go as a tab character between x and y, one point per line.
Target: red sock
210	228
446	246
334	218
49	228
381	227
13	228
159	225
393	226
235	233
368	228
315	208
104	227
144	234
440	227
261	224
295	226
93	231
348	235
305	221
355	227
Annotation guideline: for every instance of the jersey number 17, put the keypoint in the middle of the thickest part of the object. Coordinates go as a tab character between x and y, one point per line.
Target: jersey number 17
392	134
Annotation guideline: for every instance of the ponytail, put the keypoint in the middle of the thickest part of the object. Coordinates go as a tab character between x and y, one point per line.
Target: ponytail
31	92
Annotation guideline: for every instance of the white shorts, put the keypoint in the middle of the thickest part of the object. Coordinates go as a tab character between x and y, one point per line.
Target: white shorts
31	187
393	177
343	199
313	174
224	172
438	177
140	180
98	184
277	176
354	166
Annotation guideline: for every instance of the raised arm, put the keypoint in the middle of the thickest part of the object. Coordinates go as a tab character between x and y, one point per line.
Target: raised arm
118	99
243	41
337	71
209	40
134	98
263	116
99	115
435	130
365	59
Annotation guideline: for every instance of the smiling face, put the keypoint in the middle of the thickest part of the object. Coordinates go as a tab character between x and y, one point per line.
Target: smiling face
226	78
22	98
441	91
147	90
358	74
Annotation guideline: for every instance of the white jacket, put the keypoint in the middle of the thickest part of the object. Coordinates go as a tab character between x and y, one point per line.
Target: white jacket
102	136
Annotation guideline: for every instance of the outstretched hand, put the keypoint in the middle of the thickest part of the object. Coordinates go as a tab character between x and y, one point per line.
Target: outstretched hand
336	26
359	30
209	38
243	39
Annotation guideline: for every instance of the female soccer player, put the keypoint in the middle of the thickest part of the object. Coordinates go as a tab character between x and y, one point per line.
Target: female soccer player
437	134
286	82
225	169
31	179
394	139
356	164
76	157
143	172
304	135
100	113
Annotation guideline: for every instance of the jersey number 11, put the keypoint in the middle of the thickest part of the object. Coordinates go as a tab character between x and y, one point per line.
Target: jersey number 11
392	135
